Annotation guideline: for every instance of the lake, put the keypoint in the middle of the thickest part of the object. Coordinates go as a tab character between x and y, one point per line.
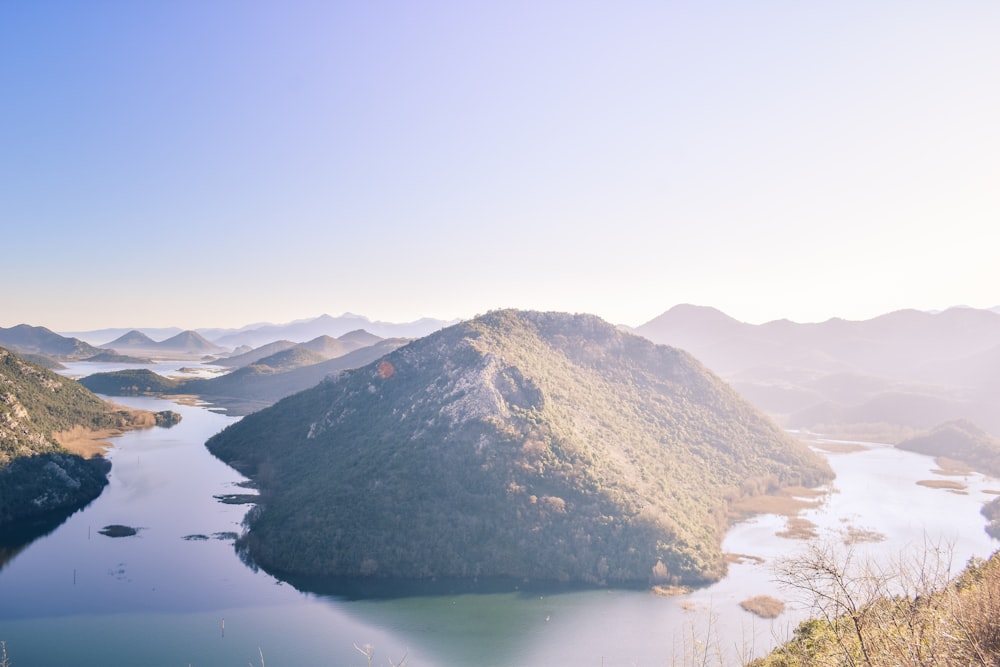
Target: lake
177	594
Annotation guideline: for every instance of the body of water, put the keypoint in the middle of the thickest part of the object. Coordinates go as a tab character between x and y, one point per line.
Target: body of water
177	594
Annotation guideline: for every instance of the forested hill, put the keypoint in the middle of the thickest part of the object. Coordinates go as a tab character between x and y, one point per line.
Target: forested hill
540	446
37	475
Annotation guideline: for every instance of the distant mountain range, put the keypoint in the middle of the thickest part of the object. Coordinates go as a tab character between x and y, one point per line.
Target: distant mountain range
186	343
522	445
903	370
259	377
299	331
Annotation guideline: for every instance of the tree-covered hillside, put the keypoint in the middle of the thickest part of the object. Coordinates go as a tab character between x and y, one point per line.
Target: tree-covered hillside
37	475
539	446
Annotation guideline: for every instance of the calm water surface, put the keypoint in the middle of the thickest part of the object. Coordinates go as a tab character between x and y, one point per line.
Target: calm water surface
177	594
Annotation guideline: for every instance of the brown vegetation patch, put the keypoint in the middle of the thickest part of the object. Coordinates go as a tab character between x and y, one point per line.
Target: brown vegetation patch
798	528
855	535
86	442
864	433
839	447
734	559
185	399
670	591
992	492
948	466
785	505
764	606
942	484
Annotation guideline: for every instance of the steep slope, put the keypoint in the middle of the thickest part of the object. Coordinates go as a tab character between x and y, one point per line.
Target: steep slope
537	446
38	475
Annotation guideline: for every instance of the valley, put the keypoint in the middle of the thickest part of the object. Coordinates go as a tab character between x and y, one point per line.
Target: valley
547	391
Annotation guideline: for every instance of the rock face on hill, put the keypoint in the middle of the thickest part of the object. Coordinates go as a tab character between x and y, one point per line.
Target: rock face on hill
539	446
37	475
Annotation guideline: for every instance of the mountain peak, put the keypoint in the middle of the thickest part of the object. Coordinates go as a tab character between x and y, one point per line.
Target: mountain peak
518	444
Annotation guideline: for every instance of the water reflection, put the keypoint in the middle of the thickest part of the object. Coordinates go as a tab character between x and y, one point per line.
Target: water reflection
17	535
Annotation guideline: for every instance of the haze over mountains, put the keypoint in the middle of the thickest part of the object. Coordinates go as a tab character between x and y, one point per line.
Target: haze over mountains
256	335
903	370
886	377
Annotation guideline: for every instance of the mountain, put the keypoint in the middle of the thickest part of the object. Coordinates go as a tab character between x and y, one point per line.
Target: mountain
134	339
255	354
523	445
249	387
960	440
39	410
26	339
286	360
906	370
131	382
326	325
185	343
100	337
190	342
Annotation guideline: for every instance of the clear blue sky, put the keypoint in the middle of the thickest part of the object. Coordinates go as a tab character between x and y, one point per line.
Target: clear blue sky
212	163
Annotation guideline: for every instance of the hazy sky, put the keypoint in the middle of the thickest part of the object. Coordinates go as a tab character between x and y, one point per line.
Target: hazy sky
211	163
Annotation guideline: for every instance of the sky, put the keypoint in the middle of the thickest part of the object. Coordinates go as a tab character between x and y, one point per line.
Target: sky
213	163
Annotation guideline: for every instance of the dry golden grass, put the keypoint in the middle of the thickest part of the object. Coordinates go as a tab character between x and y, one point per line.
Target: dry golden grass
855	535
948	466
785	505
670	591
839	447
798	528
764	606
86	442
942	484
732	558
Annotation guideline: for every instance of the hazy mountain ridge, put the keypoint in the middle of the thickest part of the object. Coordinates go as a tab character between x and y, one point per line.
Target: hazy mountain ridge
530	445
908	369
27	339
189	343
335	327
249	387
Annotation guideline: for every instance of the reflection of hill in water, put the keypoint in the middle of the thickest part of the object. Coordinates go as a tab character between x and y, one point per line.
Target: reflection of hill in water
17	535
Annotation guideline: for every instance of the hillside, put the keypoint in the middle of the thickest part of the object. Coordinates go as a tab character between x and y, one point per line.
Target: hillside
960	440
248	388
131	382
26	339
257	353
38	409
880	378
537	446
910	614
